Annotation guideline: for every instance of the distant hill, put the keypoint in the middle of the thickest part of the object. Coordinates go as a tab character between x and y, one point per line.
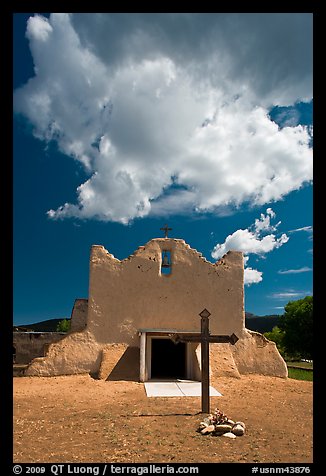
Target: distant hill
44	326
261	323
254	323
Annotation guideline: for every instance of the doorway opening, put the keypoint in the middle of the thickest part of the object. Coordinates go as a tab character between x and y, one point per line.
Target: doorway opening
168	360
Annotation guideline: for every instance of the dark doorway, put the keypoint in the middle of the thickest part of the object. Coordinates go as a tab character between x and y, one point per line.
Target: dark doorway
168	359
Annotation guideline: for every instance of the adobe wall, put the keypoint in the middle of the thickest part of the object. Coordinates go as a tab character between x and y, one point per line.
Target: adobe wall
78	318
29	345
128	295
254	354
77	353
132	294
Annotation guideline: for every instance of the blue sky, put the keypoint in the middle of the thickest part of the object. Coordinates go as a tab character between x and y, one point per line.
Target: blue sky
125	122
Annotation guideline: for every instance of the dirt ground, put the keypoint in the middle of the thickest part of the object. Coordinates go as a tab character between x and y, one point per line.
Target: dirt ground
79	419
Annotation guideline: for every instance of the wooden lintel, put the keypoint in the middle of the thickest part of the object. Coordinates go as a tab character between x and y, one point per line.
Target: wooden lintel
202	338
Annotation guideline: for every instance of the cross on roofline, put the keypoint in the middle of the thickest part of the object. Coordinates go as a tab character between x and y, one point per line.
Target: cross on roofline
166	230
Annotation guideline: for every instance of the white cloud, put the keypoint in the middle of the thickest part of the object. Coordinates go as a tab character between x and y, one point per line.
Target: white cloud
146	108
252	241
264	222
308	229
229	49
249	242
252	276
39	28
289	294
305	269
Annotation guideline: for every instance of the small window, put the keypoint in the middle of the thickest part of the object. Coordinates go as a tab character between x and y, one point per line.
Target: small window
166	262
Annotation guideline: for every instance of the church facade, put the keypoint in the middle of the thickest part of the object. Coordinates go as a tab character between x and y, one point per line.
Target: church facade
124	330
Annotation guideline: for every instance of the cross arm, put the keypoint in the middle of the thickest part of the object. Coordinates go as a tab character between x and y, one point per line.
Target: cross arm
184	337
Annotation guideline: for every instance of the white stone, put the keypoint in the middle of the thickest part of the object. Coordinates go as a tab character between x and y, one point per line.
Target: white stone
229	435
203	425
238	430
241	424
208	429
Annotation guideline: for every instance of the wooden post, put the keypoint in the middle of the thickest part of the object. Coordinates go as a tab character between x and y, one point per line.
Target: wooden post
204	338
205	365
142	370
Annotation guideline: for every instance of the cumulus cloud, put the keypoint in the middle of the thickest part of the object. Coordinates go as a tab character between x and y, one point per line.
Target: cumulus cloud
253	240
155	108
39	28
252	276
239	52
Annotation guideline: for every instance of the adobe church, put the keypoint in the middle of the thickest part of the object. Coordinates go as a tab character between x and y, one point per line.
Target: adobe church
124	330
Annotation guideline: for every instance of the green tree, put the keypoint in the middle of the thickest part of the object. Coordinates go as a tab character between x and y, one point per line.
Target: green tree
63	326
276	335
296	323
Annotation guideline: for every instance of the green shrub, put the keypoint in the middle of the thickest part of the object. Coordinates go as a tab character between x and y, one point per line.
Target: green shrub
297	325
276	335
63	326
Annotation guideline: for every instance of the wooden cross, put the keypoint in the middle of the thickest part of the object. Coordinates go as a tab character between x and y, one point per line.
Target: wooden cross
166	229
204	338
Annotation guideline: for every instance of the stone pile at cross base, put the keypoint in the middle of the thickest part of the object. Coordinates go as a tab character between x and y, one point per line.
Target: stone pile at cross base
219	424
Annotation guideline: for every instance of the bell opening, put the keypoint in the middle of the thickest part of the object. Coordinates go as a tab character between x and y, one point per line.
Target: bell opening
166	262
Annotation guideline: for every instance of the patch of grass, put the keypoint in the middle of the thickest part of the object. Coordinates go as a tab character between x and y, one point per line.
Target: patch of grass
300	363
300	374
